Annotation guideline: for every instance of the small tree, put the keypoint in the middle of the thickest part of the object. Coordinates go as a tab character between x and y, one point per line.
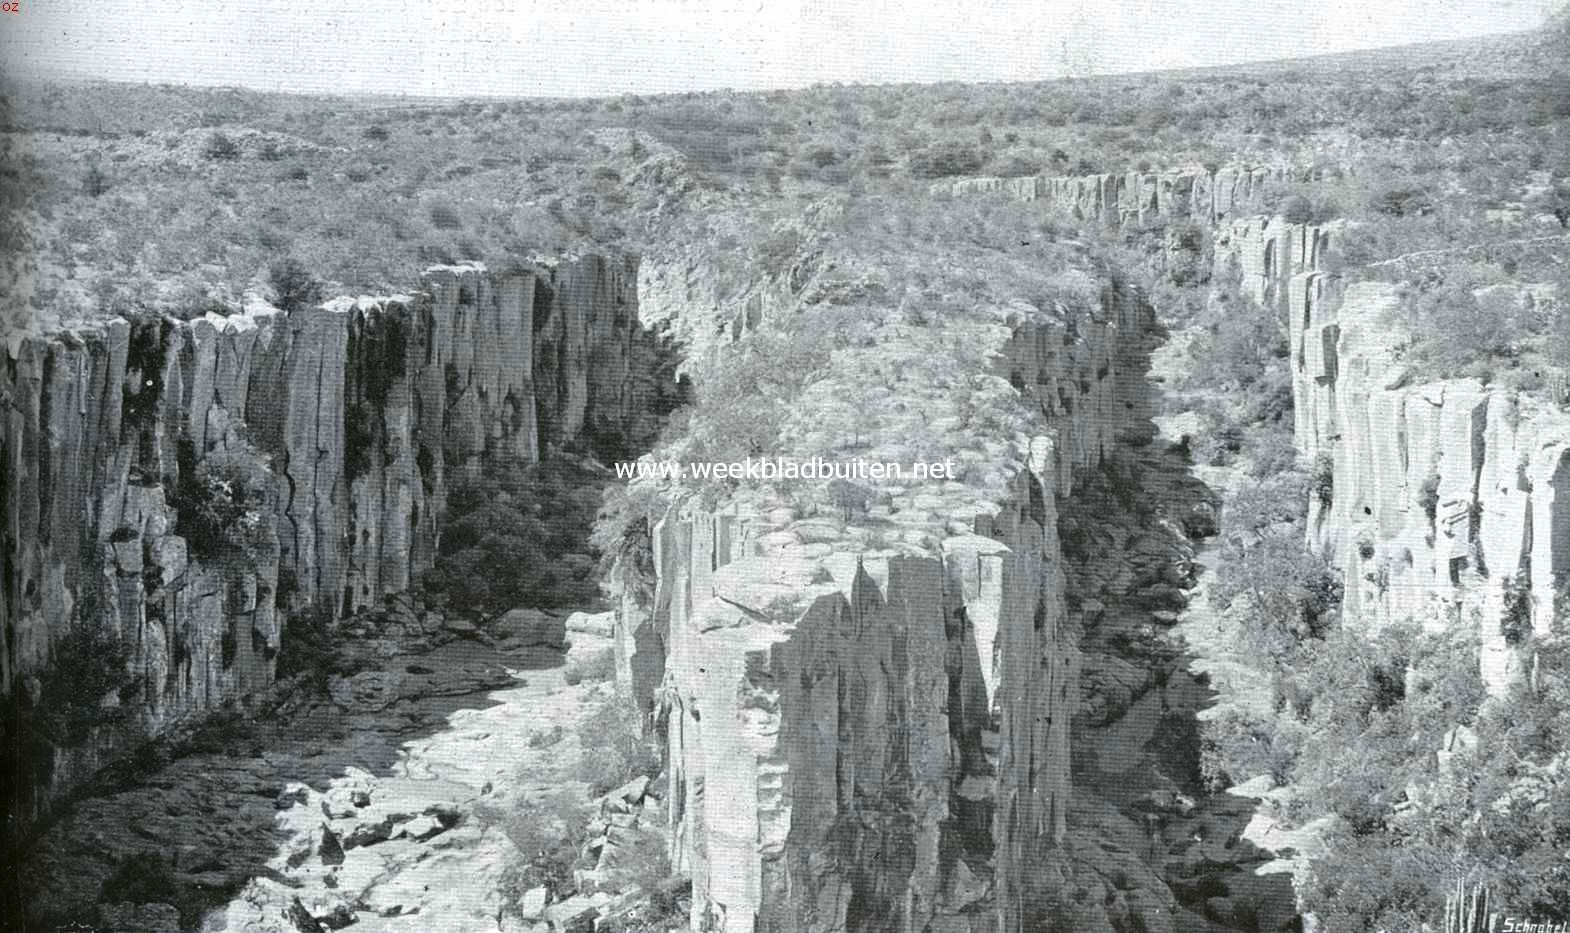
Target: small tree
94	181
946	159
1556	201
293	285
220	148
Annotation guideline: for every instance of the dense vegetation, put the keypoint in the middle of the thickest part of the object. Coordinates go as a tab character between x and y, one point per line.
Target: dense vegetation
518	535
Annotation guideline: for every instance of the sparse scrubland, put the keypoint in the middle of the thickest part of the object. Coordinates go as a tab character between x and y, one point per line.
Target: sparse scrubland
143	201
123	198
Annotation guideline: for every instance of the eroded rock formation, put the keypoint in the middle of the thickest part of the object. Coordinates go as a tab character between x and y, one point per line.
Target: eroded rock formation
319	445
867	737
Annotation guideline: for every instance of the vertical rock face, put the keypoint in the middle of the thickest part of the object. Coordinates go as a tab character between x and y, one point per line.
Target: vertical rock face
1446	501
872	738
1198	194
354	418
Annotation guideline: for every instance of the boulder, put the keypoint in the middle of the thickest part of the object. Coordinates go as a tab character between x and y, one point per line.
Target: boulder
633	791
460	626
331	849
531	628
368	834
602	624
532	904
421	828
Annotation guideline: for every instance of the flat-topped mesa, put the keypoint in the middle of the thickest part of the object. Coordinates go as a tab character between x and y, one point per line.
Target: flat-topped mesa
181	485
1195	194
1446	502
867	709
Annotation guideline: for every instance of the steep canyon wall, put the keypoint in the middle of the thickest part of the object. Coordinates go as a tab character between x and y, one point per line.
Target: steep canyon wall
324	440
1441	501
1448	501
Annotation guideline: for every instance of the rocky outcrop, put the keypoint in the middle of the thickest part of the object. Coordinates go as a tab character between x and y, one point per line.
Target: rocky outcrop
868	714
1447	502
1195	194
181	485
1538	251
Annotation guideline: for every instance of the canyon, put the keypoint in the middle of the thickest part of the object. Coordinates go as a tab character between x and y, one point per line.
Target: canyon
869	718
923	712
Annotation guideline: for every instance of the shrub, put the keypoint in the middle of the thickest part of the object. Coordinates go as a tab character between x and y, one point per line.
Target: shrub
221	148
223	504
1324	479
622	536
1282	597
87	664
1515	622
1458	328
519	536
614	748
596	667
294	287
642	860
94	181
542	738
312	649
1428	497
445	217
549	833
1236	746
946	159
1245	348
149	878
1402	201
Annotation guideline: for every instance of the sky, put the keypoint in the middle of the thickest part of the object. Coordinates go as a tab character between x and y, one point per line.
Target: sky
571	48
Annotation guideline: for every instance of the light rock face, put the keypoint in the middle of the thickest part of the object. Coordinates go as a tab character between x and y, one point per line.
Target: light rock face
1196	194
864	736
1450	501
360	412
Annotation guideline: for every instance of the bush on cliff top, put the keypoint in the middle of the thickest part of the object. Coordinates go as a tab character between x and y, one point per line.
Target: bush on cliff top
294	287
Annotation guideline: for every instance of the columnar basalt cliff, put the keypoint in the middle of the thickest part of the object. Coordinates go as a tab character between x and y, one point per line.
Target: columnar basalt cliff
329	435
1445	501
1196	194
1440	501
868	716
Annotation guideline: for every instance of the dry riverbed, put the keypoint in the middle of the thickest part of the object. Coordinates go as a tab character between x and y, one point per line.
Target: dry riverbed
375	805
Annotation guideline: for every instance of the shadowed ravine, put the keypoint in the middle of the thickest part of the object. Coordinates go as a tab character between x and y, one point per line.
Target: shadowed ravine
1138	580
